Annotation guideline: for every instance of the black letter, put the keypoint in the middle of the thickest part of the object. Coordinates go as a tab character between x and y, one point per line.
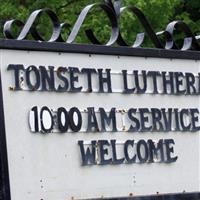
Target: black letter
190	82
126	145
126	89
169	82
73	79
43	128
62	127
60	72
132	128
36	85
103	152
115	160
144	119
154	75
182	113
47	78
156	119
179	82
92	120
143	157
137	83
75	127
170	150
167	121
89	73
88	156
194	119
16	68
155	149
176	115
198	83
103	80
108	119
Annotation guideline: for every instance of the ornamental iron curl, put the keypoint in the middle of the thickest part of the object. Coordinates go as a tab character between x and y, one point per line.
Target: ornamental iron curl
113	12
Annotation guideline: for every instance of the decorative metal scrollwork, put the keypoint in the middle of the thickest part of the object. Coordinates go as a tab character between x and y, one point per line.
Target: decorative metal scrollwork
113	12
112	17
30	26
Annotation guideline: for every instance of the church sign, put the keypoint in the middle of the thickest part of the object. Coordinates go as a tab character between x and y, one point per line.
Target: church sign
99	121
99	124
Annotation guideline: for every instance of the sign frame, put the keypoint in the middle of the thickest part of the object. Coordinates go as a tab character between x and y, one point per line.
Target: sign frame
84	49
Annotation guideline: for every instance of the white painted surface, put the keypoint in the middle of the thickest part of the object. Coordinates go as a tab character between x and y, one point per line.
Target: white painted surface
48	167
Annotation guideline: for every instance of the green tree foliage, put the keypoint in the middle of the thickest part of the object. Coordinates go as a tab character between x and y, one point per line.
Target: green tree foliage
189	12
158	12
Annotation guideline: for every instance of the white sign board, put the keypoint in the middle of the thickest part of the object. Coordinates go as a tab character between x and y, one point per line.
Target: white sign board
129	127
